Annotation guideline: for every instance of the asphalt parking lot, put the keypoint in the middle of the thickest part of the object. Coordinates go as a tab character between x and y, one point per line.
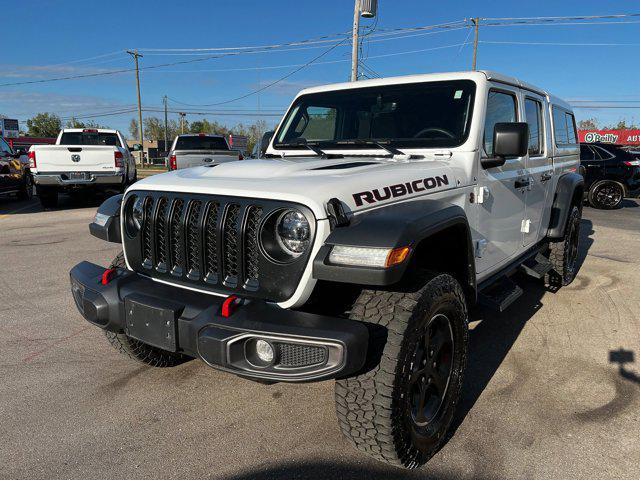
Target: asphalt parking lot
552	391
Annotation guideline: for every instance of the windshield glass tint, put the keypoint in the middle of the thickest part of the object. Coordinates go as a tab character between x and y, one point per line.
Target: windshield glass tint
89	138
201	143
417	115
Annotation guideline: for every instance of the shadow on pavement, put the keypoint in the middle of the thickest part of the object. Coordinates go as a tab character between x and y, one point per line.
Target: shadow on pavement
622	357
10	206
320	470
493	337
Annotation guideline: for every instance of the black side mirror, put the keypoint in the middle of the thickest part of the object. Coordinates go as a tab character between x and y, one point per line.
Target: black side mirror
509	140
265	141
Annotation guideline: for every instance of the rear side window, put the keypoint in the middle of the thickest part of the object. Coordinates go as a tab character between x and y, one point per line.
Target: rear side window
90	138
501	108
533	114
564	127
203	142
586	153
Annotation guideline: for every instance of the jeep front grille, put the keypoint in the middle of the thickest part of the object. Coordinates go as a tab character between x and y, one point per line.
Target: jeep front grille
212	243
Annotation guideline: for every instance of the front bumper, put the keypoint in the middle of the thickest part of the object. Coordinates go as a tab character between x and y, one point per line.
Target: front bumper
307	347
62	179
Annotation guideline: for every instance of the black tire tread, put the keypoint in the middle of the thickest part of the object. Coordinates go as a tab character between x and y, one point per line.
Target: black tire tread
365	404
557	256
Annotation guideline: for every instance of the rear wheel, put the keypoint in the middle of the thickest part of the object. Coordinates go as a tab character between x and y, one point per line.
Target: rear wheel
399	411
564	255
48	196
606	195
26	189
135	349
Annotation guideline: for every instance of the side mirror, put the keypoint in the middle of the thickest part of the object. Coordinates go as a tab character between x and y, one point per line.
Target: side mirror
509	140
266	140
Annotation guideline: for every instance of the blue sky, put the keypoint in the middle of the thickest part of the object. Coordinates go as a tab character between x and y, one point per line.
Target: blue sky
41	37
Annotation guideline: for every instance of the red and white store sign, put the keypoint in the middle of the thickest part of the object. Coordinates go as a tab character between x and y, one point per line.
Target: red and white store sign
621	137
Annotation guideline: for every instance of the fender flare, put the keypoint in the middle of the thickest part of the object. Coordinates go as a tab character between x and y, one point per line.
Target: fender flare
108	231
400	225
562	202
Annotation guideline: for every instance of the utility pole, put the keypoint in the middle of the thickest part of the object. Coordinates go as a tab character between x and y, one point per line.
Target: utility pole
166	125
476	22
355	41
182	115
135	55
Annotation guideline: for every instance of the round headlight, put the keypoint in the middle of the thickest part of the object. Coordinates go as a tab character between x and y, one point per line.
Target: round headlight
293	232
134	215
137	212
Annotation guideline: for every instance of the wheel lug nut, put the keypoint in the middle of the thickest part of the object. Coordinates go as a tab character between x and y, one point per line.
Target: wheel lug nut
434	364
429	380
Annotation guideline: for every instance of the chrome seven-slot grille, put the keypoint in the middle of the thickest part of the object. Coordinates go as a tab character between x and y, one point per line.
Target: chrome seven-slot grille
211	243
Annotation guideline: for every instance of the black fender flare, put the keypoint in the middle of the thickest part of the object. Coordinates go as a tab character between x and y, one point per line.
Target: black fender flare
568	183
108	231
400	225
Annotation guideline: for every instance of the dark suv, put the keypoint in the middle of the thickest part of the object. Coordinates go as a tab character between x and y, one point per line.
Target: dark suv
15	176
610	174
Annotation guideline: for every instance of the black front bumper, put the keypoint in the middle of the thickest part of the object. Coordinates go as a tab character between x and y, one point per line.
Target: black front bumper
306	347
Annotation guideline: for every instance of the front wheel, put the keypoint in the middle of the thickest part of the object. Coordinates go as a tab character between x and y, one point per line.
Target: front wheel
26	189
606	195
399	411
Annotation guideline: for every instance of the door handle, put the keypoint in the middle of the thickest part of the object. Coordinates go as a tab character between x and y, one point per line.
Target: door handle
545	176
523	183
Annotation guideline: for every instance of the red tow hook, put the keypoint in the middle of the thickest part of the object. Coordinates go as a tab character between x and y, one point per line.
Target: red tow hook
229	305
108	275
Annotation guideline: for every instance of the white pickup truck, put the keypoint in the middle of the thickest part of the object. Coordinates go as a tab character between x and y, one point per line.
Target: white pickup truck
81	159
197	149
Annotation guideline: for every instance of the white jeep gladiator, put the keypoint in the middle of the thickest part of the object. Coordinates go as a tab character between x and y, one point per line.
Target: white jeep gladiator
81	159
385	210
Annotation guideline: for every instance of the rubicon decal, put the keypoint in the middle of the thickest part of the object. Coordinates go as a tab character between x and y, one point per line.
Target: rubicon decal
399	190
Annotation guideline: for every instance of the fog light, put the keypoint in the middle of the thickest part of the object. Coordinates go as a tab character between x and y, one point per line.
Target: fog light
264	350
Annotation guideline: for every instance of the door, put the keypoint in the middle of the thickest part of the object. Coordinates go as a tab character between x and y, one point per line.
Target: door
539	170
502	209
9	168
593	165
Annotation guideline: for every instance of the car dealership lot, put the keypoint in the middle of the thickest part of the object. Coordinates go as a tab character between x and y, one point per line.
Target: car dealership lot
550	392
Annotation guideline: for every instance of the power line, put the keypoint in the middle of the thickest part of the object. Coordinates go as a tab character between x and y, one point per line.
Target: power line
563	44
293	72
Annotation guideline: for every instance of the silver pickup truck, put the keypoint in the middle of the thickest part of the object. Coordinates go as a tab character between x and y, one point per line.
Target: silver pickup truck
197	149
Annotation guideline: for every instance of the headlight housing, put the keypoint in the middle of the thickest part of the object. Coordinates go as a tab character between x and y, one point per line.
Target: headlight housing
293	232
134	215
286	235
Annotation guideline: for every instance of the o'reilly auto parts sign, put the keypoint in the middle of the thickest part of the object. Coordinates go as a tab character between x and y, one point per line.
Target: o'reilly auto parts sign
621	137
9	128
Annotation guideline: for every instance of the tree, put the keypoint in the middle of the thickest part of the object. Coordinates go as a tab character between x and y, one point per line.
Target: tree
73	123
623	125
588	124
44	125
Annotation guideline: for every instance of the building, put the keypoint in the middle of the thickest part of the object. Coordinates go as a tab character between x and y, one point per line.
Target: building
619	137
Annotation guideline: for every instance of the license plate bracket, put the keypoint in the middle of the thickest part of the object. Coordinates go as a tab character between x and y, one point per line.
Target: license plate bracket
79	176
152	321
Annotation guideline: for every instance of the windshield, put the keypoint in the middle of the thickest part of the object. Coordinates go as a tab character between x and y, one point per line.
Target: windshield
416	115
201	143
89	138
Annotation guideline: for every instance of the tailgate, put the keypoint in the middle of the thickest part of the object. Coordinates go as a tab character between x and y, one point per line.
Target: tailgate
196	158
81	158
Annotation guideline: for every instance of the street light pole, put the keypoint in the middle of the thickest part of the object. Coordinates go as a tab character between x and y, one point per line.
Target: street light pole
135	56
354	40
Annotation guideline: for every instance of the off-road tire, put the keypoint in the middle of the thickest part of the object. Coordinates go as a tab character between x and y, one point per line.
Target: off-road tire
48	197
606	202
26	189
563	255
373	408
137	350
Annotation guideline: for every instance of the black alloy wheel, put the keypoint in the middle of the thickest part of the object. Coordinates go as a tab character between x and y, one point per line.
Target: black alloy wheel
607	195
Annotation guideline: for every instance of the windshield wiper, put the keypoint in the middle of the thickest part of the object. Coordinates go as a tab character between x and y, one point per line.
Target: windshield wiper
313	146
383	145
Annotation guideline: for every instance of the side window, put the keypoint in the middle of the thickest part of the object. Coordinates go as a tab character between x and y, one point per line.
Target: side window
602	153
560	127
533	114
4	146
586	153
501	108
571	129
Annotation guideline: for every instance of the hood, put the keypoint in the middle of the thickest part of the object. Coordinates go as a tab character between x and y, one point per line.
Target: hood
359	182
